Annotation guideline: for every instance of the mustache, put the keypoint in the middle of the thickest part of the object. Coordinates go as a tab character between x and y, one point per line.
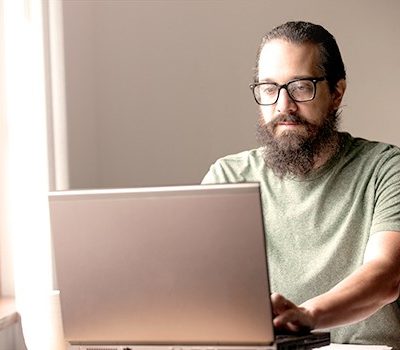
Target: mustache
293	118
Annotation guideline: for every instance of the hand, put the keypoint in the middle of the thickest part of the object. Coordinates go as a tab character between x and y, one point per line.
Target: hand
289	316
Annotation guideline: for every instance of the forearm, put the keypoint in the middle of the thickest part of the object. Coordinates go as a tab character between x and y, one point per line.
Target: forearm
373	285
364	292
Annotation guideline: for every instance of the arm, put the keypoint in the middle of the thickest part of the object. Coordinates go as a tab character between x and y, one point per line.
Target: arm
373	285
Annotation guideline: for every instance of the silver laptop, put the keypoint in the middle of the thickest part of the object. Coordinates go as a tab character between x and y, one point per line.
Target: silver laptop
169	268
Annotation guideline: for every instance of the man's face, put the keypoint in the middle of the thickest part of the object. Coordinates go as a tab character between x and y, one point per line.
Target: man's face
282	61
295	134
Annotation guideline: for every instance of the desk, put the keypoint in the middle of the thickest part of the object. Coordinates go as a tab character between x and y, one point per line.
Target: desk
355	347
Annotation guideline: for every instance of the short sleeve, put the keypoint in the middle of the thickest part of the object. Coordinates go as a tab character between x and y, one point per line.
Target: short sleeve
387	194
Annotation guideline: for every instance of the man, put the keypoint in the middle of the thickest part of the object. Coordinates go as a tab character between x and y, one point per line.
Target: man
331	202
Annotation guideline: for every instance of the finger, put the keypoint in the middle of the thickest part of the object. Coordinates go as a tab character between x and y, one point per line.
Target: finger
293	319
280	304
283	319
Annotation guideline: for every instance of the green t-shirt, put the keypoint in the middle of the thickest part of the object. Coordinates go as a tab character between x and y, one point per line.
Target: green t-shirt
317	228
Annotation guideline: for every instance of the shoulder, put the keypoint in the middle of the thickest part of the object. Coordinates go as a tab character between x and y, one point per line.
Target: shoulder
236	167
244	157
371	164
364	145
372	153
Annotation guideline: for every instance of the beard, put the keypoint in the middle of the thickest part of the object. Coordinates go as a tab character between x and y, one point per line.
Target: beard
294	153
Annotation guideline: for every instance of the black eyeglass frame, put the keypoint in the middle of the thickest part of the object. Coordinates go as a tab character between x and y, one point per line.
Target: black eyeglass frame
285	86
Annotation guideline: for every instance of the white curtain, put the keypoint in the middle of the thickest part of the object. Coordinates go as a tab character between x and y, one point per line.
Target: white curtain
24	181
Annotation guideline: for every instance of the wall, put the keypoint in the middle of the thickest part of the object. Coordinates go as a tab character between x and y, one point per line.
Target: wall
157	90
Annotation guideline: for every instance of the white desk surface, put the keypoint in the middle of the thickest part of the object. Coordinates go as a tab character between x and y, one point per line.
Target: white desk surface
354	347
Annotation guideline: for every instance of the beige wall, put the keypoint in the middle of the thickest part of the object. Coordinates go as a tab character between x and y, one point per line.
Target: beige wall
157	90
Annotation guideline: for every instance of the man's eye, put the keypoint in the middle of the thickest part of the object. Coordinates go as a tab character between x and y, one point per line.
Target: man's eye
301	86
268	89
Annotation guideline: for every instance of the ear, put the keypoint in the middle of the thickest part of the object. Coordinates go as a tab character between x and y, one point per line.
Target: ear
338	93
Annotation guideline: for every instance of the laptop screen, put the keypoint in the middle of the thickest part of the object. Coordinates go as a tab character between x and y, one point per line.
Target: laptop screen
165	265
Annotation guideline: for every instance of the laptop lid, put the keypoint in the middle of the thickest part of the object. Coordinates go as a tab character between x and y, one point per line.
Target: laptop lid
169	265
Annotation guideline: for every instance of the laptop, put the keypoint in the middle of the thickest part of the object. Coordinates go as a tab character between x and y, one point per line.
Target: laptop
165	268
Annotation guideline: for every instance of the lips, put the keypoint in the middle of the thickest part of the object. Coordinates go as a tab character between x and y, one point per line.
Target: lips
289	123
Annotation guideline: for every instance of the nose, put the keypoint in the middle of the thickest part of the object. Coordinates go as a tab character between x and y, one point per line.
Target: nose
285	104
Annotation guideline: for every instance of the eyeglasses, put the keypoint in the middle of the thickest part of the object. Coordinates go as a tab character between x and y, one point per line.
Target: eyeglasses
299	90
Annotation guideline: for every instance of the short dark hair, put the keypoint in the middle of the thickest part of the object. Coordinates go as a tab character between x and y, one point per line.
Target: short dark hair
300	32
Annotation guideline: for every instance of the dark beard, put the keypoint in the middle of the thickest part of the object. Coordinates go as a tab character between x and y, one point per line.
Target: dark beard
292	153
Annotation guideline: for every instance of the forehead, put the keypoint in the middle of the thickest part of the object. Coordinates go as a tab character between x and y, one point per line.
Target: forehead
281	61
